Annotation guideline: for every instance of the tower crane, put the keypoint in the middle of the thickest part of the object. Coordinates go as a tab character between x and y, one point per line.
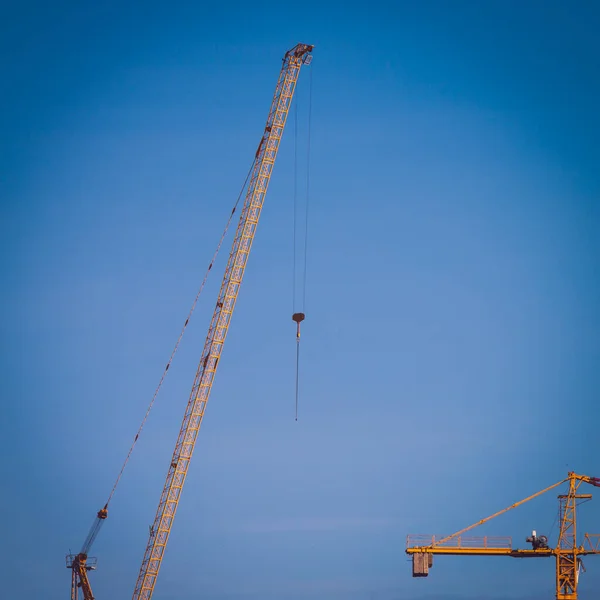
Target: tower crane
261	171
567	552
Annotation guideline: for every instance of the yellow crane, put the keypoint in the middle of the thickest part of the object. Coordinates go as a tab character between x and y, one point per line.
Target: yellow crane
567	552
261	171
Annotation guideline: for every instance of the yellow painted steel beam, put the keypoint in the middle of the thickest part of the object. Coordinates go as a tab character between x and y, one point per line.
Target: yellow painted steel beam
74	588
84	581
482	552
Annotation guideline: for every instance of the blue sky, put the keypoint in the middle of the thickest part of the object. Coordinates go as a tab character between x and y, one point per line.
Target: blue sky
450	351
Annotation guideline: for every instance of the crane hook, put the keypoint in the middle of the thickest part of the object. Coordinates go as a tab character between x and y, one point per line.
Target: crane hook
297	318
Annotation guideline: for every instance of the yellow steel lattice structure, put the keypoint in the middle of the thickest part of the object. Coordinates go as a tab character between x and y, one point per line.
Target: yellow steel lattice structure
591	542
567	551
213	347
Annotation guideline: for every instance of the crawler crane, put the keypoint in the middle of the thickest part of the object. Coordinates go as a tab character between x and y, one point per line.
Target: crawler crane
260	176
567	552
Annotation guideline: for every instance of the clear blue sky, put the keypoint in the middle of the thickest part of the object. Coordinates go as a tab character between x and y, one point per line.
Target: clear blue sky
450	353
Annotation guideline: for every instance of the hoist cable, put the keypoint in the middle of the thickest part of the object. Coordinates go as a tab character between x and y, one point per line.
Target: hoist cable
299	317
295	195
297	374
307	192
164	374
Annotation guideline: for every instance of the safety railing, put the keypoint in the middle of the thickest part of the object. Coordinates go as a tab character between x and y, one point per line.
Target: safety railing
487	542
90	563
591	542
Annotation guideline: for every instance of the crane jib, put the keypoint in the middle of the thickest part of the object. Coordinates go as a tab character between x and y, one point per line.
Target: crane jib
265	157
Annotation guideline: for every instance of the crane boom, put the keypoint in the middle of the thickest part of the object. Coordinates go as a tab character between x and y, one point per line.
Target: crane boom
221	319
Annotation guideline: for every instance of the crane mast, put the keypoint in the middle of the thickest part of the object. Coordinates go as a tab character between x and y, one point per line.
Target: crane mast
217	332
